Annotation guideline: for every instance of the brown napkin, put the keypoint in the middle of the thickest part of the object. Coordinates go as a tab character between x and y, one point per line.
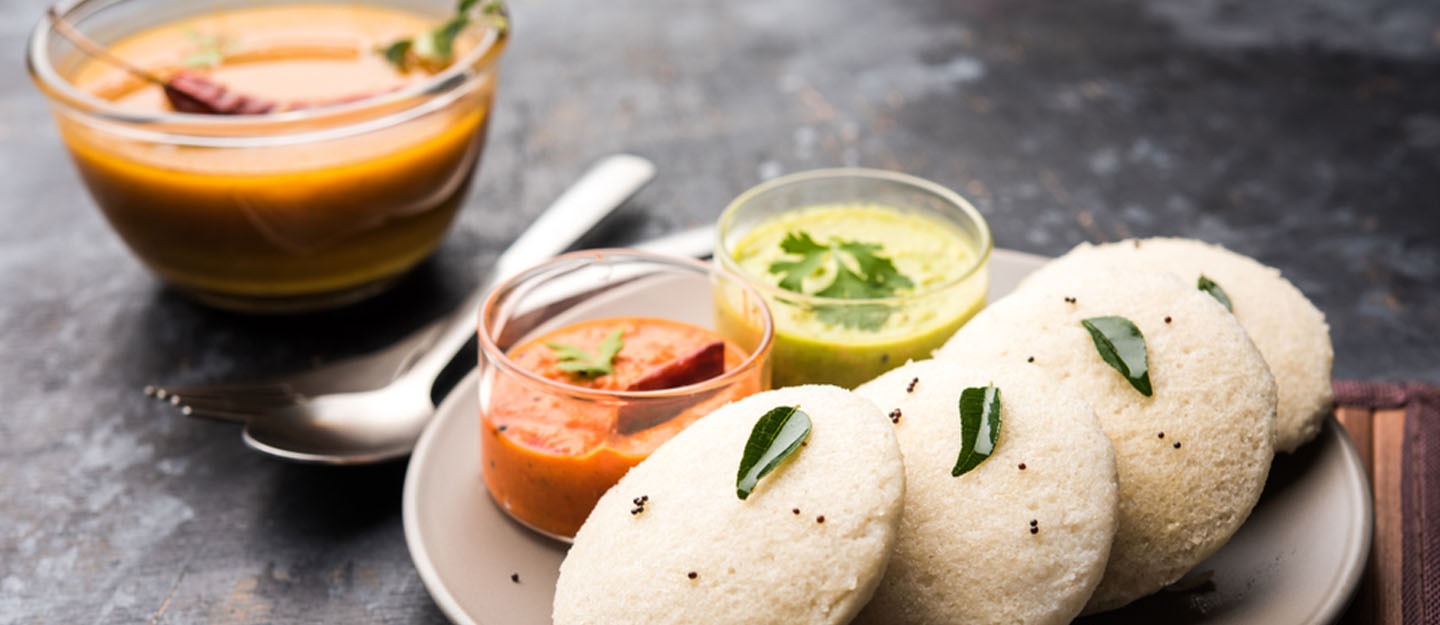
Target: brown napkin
1396	428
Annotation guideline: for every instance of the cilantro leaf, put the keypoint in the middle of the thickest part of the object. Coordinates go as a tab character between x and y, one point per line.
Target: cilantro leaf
858	272
210	50
811	263
437	46
801	243
879	271
434	49
578	361
396	52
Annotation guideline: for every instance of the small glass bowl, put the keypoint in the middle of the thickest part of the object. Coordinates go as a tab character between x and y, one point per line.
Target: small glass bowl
550	449
811	350
281	212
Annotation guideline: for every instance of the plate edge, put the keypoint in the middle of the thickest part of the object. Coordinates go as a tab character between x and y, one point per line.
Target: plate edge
410	512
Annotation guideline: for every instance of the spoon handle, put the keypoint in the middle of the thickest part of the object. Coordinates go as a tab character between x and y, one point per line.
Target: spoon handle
599	192
596	194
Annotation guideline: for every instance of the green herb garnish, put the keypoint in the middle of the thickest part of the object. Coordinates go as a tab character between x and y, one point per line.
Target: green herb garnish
433	50
1207	285
979	427
210	50
398	52
1122	346
581	362
858	272
775	436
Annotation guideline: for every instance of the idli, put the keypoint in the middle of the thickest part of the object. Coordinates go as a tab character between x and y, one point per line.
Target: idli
1289	331
1020	539
1192	454
673	542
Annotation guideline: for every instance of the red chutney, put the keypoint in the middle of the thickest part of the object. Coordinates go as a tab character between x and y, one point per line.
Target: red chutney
551	450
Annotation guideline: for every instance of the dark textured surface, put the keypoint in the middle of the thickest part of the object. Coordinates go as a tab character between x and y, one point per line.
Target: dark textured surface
1306	134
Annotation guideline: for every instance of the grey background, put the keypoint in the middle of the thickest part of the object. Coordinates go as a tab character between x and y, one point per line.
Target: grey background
1305	133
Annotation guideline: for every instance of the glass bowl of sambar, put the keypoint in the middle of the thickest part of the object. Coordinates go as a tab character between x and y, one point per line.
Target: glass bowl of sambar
276	156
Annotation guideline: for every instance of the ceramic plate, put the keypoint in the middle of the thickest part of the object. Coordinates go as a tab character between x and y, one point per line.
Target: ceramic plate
1296	561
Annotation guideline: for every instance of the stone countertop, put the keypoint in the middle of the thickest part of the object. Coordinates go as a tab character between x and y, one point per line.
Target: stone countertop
1305	134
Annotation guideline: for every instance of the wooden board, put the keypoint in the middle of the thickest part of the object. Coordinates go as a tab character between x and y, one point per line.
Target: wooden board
1379	436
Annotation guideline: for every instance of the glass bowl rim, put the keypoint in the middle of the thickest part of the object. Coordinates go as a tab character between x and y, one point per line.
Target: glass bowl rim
724	257
429	94
491	352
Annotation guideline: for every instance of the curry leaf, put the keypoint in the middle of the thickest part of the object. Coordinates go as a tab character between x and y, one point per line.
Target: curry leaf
577	360
775	436
1207	285
1122	346
979	427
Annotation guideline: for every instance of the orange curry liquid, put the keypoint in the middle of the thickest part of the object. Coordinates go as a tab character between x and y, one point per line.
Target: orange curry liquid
294	217
550	451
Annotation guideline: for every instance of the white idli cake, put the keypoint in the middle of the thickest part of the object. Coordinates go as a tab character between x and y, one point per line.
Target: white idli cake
1192	456
1289	331
673	543
1023	537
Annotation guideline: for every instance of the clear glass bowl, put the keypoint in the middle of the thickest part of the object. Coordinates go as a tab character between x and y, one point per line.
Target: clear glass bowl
282	212
550	449
808	348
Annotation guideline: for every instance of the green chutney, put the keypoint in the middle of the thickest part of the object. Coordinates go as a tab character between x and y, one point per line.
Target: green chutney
937	256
